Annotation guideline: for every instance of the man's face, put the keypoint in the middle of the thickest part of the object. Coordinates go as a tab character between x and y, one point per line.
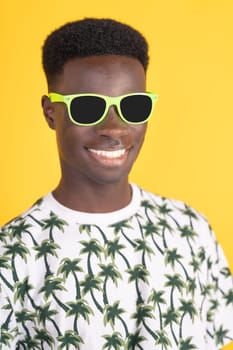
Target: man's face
102	153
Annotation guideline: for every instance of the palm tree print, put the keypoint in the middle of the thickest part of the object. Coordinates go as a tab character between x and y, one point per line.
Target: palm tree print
113	312
138	217
164	209
185	344
151	230
85	228
47	247
148	207
205	291
171	316
163	339
195	263
5	325
44	338
120	227
144	248
229	297
108	271
22	291
102	233
187	307
145	280
201	254
188	233
175	282
51	285
35	220
79	308
191	286
4	265
225	271
24	316
214	305
165	226
30	343
158	299
6	337
189	212
45	314
113	248
14	250
69	266
172	257
166	212
134	340
53	222
20	228
136	274
89	284
143	312
70	338
4	235
88	228
113	342
220	334
91	247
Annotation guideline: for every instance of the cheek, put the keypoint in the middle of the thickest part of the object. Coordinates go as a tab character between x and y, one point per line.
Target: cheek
140	132
68	139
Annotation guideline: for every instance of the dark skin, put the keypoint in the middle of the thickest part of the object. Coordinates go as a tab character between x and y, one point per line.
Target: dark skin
92	182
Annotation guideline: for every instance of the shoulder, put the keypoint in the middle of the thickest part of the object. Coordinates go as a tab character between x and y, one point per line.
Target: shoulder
166	205
187	225
181	216
25	221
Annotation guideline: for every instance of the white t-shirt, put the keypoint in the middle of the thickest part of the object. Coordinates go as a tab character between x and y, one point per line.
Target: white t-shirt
148	276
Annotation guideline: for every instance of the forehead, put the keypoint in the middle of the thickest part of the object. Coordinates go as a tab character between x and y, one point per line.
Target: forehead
99	74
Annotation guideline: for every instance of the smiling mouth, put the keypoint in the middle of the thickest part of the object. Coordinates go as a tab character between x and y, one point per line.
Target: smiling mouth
108	154
109	158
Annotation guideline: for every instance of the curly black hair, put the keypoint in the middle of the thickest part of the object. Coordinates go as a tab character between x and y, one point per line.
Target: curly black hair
91	37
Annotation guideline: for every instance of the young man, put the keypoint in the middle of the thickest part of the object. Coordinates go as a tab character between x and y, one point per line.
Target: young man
100	263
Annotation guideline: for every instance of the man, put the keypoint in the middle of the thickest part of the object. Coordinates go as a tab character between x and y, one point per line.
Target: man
100	263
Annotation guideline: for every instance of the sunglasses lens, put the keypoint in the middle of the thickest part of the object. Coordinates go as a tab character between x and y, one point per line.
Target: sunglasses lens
87	109
136	108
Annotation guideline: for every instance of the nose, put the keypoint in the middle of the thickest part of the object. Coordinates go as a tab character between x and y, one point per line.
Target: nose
112	125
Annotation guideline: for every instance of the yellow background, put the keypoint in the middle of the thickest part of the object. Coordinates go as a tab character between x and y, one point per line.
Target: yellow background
188	150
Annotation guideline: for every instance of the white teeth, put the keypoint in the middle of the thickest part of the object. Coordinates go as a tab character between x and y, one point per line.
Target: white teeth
108	154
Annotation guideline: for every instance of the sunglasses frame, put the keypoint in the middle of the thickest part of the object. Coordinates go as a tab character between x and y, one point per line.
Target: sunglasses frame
110	101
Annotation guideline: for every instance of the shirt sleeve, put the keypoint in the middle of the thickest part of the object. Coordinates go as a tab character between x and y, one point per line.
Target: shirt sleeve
8	325
219	295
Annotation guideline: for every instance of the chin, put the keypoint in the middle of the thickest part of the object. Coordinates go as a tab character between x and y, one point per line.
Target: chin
109	178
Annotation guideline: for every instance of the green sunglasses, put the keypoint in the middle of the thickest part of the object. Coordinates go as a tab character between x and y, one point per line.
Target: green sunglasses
91	109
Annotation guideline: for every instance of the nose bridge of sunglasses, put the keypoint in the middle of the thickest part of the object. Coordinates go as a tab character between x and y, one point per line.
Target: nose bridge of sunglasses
112	104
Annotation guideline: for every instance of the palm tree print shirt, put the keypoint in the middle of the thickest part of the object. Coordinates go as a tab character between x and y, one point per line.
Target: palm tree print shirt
148	276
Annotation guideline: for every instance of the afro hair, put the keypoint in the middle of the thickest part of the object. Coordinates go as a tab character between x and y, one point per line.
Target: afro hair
91	37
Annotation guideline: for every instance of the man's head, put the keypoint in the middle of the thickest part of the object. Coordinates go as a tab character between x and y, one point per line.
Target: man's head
91	37
100	57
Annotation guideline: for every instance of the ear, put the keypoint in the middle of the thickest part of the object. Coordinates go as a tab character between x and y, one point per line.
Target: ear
49	111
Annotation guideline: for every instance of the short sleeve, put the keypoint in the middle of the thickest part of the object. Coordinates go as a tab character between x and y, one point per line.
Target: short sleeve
8	326
217	295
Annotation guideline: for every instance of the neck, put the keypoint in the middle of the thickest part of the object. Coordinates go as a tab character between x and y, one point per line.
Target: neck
93	197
